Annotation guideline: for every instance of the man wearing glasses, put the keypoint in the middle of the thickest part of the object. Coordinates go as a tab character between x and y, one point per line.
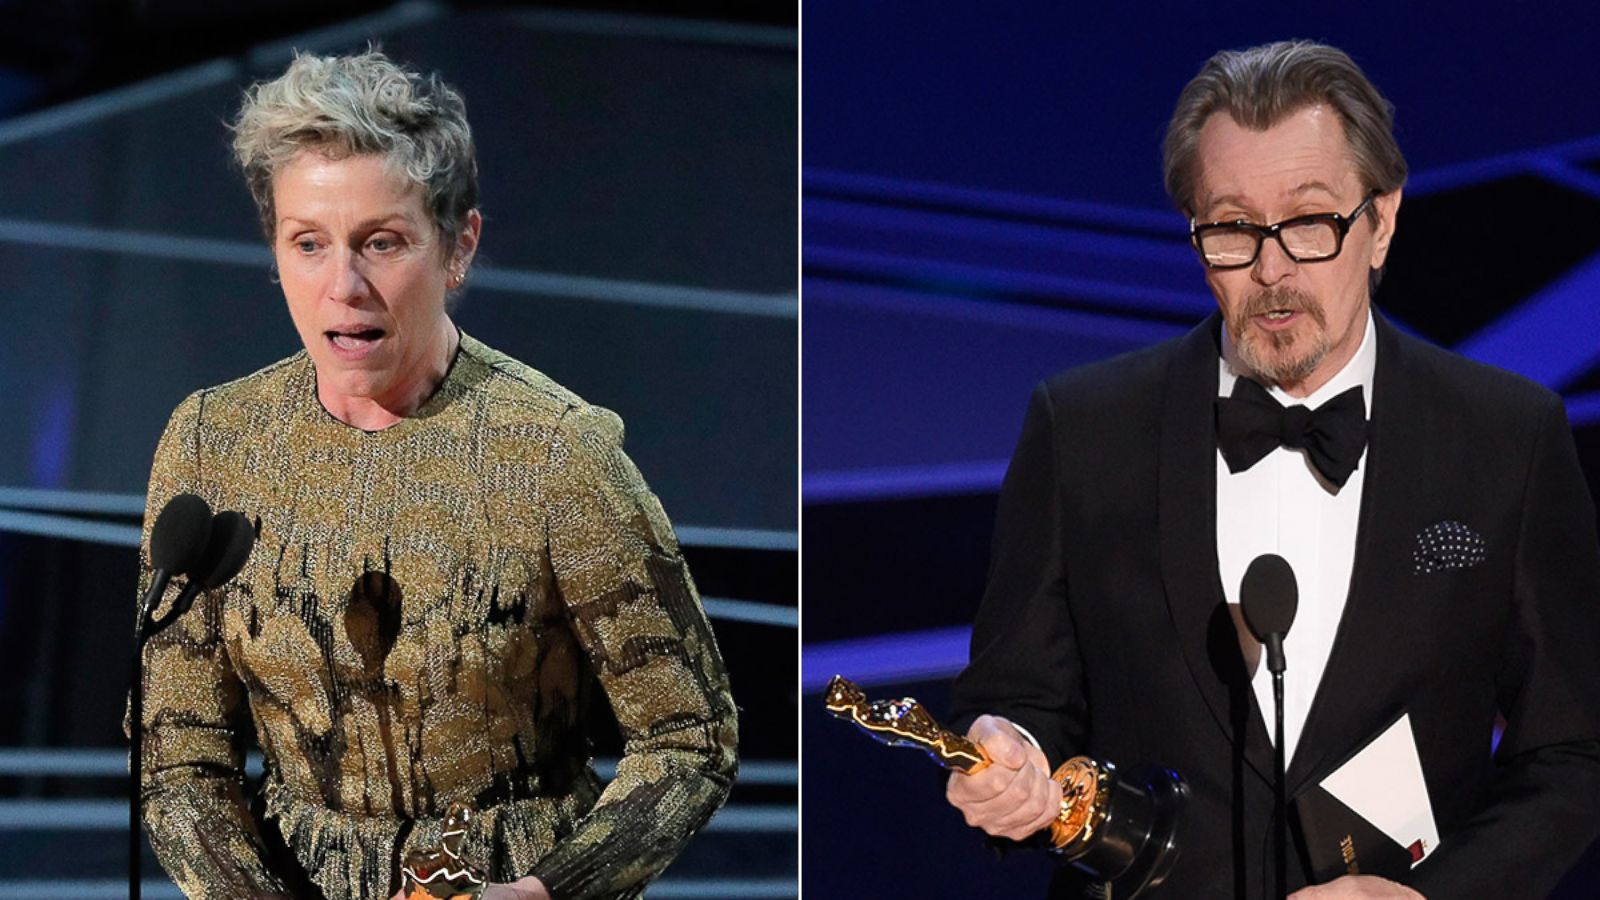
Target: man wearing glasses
1432	508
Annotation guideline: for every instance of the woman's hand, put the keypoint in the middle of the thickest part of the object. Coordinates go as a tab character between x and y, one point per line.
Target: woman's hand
529	888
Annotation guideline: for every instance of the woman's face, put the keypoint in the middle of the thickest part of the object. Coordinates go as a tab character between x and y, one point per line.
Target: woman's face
365	278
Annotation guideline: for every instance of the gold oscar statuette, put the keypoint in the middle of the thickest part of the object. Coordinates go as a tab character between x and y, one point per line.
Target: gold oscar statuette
1117	828
440	873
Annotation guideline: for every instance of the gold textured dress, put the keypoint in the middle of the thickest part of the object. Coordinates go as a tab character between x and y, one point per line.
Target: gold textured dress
421	622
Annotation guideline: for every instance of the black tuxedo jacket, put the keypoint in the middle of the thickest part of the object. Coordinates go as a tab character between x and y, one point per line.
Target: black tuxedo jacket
1104	630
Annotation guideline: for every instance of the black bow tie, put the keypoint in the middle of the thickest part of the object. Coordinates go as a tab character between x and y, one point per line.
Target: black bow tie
1250	424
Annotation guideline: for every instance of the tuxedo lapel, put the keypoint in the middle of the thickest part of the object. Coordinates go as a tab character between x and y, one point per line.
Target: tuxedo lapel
1363	685
1188	535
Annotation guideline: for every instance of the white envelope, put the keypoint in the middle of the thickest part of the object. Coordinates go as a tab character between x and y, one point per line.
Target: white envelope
1384	785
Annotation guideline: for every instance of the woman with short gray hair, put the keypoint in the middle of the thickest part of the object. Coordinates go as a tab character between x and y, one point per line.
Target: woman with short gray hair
453	549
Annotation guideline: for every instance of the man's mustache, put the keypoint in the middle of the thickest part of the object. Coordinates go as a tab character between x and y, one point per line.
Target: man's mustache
1282	298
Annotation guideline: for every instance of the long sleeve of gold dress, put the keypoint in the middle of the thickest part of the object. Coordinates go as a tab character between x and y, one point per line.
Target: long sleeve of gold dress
421	622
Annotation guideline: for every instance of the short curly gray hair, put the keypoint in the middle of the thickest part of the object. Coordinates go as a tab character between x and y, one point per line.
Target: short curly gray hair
363	104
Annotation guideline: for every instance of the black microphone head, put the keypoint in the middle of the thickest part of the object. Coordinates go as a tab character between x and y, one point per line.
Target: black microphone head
178	538
1268	596
232	539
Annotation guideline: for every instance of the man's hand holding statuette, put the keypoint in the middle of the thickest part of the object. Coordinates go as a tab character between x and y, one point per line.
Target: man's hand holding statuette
1012	798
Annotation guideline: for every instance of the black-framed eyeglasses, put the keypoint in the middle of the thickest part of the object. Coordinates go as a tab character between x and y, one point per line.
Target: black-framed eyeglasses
1314	238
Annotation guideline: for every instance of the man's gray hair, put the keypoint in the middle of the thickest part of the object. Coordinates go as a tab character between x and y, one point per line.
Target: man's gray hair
1262	86
342	106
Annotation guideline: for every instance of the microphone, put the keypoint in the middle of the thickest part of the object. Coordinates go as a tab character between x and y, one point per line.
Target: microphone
226	549
185	540
1268	597
177	542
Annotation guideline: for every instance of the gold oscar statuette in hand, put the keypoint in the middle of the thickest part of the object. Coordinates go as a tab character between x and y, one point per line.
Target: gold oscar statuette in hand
1139	813
440	873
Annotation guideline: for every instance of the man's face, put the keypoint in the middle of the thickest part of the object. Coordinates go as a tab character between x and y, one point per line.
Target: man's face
1292	324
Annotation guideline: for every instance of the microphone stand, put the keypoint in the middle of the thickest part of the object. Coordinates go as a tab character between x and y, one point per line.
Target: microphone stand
1268	597
179	540
1279	790
145	628
158	586
1280	844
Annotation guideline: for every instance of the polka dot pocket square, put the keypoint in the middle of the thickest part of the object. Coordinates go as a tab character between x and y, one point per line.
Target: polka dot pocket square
1446	545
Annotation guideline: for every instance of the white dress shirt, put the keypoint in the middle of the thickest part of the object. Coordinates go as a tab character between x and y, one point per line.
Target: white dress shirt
1282	505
